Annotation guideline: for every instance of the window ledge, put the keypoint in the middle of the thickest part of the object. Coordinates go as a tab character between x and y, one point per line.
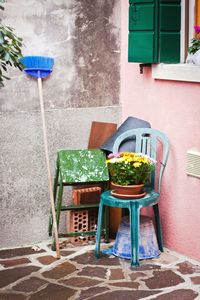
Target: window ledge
179	72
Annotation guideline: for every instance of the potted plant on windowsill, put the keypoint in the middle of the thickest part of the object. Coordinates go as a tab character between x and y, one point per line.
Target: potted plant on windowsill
129	172
194	49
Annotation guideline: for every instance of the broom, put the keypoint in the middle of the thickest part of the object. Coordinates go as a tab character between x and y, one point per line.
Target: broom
40	67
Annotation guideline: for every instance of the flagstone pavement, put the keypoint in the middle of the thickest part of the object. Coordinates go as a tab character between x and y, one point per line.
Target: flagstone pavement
34	273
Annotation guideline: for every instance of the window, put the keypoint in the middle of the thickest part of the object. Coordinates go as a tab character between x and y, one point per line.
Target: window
188	21
160	32
190	16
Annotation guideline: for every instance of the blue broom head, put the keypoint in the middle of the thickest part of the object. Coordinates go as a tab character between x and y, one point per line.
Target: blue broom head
37	66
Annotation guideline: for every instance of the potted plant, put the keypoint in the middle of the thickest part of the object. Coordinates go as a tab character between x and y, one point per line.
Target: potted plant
194	49
129	172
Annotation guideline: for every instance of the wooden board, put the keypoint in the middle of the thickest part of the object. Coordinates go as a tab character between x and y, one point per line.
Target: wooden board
100	132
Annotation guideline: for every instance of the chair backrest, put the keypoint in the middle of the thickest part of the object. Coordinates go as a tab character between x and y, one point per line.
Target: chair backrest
128	124
151	142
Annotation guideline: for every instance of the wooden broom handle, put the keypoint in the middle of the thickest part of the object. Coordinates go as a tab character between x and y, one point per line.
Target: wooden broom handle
55	227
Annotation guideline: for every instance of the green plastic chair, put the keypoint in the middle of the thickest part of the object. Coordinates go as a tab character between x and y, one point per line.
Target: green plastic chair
151	142
78	167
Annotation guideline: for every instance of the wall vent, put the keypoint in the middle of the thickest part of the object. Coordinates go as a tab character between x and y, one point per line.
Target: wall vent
193	163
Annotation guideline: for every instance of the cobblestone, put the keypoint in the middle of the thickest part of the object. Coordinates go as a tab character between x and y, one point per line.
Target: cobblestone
14	262
116	274
188	268
60	271
33	275
46	260
31	284
162	279
11	275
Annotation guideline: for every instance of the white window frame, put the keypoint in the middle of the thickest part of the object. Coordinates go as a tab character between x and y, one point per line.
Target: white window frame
191	18
183	71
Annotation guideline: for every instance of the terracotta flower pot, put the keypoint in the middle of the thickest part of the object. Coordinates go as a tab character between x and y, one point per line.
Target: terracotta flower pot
127	191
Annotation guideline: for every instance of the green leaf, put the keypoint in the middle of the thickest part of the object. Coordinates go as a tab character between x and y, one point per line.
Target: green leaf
5	77
1	2
1	38
10	50
4	67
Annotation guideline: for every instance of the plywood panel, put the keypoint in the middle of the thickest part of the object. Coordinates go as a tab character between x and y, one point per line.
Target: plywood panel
100	132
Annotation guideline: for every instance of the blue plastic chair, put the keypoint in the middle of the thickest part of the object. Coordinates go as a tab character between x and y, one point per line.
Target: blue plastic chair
155	144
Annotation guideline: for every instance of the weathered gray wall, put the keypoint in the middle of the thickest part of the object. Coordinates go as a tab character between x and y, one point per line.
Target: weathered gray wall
84	38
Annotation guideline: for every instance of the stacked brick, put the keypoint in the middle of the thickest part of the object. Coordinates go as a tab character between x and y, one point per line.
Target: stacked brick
86	219
90	195
83	220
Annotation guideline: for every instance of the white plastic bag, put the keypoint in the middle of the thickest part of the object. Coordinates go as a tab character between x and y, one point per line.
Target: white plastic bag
196	58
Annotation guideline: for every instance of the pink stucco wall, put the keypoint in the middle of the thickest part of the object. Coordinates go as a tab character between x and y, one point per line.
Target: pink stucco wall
174	108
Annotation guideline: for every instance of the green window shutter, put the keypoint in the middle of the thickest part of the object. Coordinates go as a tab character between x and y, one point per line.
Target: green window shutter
142	36
170	20
154	31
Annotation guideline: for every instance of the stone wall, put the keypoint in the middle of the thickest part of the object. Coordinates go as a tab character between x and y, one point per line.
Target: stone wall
84	39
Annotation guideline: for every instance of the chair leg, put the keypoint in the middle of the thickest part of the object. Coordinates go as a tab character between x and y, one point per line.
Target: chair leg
134	230
106	224
54	195
158	227
50	223
58	210
99	228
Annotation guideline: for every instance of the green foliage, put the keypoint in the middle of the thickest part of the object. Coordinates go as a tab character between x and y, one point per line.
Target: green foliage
1	2
10	50
195	46
129	168
195	42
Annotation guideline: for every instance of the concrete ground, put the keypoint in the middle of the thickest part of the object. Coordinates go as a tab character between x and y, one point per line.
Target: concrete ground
33	272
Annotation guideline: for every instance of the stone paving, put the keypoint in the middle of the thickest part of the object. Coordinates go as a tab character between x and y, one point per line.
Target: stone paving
34	273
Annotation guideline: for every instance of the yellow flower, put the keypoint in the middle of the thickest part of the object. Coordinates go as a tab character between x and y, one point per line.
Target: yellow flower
126	153
137	164
129	159
145	161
